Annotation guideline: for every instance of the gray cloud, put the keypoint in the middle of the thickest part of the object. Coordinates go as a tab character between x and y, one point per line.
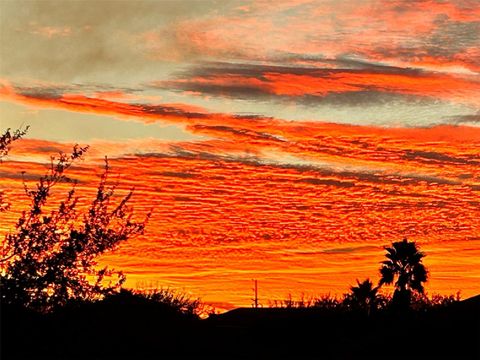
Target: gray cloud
452	37
432	156
255	135
210	69
182	175
448	39
94	39
57	91
347	250
346	62
48	149
368	95
33	177
460	119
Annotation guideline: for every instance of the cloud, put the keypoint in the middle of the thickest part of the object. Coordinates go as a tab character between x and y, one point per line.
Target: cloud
465	119
349	249
327	182
441	157
312	140
219	208
182	175
51	31
458	35
424	34
78	42
323	84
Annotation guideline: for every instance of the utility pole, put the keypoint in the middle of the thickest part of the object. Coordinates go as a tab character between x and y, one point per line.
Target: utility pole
255	293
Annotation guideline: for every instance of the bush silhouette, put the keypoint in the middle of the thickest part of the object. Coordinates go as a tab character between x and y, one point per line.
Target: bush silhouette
171	301
363	297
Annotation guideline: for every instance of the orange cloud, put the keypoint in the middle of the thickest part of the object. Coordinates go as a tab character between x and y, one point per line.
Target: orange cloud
390	32
304	139
284	202
319	83
52	31
291	226
298	205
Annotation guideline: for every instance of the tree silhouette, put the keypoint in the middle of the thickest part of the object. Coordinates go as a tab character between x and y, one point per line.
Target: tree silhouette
363	297
50	256
8	137
405	264
5	141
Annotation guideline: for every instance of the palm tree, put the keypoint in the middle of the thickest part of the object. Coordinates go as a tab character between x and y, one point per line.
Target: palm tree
363	297
405	263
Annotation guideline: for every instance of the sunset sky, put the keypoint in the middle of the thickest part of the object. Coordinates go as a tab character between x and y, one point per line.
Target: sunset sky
284	141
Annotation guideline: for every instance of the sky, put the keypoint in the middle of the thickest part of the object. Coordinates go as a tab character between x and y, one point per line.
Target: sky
284	141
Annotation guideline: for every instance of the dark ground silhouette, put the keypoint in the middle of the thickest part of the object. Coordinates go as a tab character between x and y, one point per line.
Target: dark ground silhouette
133	328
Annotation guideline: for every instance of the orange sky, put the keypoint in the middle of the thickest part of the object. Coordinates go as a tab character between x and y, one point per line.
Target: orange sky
291	157
221	220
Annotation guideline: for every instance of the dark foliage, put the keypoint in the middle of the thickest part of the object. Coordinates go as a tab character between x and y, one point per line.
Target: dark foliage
404	263
364	298
8	137
422	302
128	325
6	140
170	300
327	302
50	256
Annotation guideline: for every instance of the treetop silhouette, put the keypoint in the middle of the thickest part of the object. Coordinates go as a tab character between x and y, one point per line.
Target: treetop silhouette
404	263
8	137
50	256
363	297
